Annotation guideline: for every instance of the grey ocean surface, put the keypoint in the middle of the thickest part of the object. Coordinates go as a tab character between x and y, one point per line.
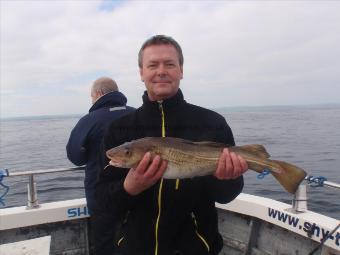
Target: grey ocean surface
306	136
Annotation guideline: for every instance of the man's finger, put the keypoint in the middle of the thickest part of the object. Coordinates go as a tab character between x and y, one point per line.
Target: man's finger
143	164
161	170
153	167
244	164
229	167
220	166
237	170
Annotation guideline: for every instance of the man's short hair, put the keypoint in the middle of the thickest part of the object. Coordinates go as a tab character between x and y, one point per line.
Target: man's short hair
160	40
104	85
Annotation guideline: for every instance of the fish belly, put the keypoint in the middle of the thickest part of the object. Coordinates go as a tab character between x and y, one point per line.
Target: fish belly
181	172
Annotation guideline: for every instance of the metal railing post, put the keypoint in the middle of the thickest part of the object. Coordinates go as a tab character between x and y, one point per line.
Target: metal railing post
299	203
32	200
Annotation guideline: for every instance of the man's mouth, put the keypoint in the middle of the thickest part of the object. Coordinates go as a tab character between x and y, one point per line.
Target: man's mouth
162	81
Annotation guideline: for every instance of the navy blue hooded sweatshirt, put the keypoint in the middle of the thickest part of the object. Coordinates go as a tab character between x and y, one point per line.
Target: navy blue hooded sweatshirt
83	147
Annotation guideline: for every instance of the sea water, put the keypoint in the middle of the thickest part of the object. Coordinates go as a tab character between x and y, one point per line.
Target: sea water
306	136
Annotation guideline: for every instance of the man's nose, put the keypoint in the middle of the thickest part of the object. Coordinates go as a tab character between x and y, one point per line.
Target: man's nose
161	70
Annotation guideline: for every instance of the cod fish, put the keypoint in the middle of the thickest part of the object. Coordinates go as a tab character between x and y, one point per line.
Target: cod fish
187	159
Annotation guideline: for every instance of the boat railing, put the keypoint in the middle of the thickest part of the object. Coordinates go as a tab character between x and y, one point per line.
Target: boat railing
299	202
32	193
321	181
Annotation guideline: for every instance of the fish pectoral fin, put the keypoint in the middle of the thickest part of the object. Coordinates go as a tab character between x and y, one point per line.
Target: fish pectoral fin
256	149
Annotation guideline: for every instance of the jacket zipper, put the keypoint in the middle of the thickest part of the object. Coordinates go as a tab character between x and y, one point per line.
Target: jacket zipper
163	133
198	234
159	198
124	222
163	117
119	241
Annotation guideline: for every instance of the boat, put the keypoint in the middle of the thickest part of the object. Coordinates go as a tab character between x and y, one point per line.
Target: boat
250	225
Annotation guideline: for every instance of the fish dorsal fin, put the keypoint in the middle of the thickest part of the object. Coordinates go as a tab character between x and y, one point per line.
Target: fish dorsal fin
256	149
212	144
201	143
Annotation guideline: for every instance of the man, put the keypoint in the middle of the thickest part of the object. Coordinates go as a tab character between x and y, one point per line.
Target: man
85	141
160	216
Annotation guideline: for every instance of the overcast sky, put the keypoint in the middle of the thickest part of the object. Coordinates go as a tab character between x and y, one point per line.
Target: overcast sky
236	53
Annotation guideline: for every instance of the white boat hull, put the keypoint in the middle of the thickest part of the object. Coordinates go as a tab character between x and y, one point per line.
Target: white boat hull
249	225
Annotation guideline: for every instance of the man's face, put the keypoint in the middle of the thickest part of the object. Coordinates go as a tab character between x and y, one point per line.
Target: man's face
161	71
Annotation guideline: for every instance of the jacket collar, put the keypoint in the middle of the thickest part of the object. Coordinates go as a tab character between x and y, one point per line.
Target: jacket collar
167	103
115	98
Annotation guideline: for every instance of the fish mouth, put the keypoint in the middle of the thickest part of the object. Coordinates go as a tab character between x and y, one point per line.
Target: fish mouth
115	163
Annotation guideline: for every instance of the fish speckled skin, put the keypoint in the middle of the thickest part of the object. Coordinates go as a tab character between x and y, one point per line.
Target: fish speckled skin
187	159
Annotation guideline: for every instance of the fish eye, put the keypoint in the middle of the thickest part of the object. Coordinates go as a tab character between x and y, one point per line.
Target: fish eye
127	152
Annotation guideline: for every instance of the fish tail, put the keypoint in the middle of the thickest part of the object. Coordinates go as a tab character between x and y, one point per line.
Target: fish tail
290	177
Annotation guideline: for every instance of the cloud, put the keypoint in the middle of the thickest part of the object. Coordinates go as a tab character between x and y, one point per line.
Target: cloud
236	52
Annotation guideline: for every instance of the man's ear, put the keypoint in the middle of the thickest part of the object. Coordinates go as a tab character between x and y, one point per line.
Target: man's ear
141	74
181	72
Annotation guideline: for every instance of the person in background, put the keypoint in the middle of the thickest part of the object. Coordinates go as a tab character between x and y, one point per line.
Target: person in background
85	141
162	216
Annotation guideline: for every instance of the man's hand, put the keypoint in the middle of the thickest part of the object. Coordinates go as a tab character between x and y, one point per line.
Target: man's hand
230	165
146	174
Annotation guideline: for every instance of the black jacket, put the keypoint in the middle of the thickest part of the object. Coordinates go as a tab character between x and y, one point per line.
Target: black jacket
83	146
185	221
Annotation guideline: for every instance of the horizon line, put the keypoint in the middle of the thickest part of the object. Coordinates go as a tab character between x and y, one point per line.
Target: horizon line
212	108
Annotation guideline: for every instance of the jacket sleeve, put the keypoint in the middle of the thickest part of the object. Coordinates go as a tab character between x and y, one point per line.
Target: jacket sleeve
76	147
109	191
225	191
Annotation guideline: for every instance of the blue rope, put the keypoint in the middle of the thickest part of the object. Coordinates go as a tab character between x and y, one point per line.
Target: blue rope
263	174
3	173
318	181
